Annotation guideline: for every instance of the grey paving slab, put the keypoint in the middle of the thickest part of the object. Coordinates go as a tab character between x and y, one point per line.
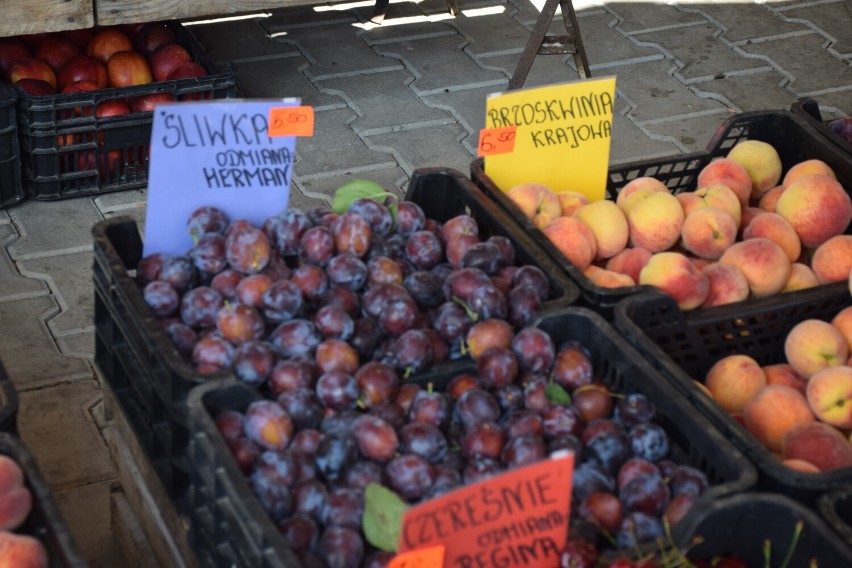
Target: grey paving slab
832	18
437	146
238	39
440	6
337	50
654	93
70	279
758	91
299	199
335	146
467	106
322	189
688	134
119	200
29	353
491	33
306	16
810	67
439	64
545	70
700	55
62	435
639	16
744	21
80	345
86	510
12	284
384	101
605	47
53	226
282	78
630	142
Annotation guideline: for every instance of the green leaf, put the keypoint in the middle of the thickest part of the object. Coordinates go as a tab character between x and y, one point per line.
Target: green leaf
356	189
382	518
556	394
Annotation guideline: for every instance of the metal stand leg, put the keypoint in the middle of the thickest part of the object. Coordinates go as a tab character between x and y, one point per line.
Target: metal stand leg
542	44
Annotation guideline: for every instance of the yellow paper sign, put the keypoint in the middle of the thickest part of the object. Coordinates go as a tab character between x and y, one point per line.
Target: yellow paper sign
563	136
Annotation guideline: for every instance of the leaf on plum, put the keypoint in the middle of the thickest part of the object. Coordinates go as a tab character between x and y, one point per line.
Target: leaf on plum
557	394
382	519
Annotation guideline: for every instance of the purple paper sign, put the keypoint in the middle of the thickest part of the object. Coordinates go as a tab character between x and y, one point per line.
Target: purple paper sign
215	153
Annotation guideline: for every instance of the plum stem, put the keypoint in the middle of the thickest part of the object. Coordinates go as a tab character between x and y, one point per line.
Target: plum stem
767	553
797	532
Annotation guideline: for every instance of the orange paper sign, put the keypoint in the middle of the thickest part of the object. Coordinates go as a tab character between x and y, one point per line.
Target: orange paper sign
430	557
493	141
518	518
291	121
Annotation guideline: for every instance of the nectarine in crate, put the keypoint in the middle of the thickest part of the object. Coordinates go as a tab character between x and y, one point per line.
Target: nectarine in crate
794	139
230	526
11	190
684	346
94	139
8	403
150	378
44	521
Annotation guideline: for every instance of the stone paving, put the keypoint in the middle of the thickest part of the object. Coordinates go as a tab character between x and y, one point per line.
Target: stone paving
389	99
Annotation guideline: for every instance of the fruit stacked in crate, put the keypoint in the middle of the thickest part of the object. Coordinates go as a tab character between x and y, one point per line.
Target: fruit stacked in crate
762	212
294	474
85	99
33	534
354	285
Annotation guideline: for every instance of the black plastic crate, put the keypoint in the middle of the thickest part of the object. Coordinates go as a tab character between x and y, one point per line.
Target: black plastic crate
808	109
44	521
10	169
66	151
793	138
684	345
228	524
148	376
836	508
739	525
8	404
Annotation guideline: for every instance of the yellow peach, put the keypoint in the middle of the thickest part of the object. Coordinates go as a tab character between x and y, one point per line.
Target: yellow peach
818	208
729	173
638	189
764	264
843	322
655	222
722	197
812	345
672	273
707	232
806	168
801	278
607	278
574	239
571	201
608	224
777	229
774	411
770	199
762	162
630	261
829	394
734	380
727	285
832	260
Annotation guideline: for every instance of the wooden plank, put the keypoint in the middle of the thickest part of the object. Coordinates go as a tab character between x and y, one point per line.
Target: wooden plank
165	530
111	12
36	16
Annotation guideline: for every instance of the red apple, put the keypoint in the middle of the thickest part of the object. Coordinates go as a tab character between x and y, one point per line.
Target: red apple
35	87
110	164
31	68
128	68
79	37
152	36
82	68
106	42
11	50
55	51
167	57
80	87
186	70
111	107
146	103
